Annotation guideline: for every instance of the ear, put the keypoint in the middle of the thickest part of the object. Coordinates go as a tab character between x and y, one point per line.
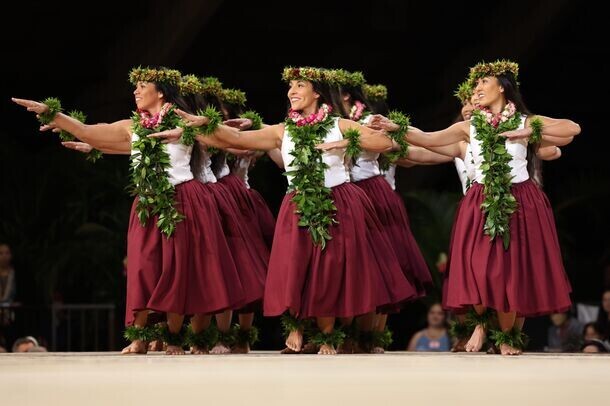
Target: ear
160	95
316	95
501	89
347	97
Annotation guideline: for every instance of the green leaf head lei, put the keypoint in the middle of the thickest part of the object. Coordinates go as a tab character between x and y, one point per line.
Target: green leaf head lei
375	92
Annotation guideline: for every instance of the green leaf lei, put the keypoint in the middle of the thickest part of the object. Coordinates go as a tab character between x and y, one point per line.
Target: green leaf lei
148	173
94	154
54	106
536	125
499	203
398	136
257	121
353	149
315	206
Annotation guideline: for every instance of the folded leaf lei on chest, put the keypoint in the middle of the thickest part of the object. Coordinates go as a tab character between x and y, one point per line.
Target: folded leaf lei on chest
499	203
149	162
312	198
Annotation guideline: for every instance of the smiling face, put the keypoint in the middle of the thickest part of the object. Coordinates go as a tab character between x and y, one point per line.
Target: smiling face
147	96
489	91
302	96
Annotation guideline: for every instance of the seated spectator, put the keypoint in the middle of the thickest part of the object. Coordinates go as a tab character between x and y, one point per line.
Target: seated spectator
25	344
565	334
603	316
591	331
7	275
434	337
595	346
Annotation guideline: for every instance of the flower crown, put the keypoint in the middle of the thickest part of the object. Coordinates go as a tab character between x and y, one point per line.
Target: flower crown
342	77
162	75
190	84
497	68
307	73
211	86
233	96
375	92
464	91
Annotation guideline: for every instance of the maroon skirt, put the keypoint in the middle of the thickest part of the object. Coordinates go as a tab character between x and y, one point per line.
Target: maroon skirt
190	272
528	278
391	212
248	248
355	274
252	206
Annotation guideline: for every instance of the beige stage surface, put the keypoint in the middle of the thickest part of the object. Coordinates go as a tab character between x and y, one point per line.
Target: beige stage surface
265	378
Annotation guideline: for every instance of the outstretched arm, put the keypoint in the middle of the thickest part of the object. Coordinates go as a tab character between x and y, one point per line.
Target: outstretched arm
555	131
101	136
422	156
455	133
370	140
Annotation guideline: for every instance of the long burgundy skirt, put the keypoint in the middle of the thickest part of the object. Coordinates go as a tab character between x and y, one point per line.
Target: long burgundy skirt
391	212
190	272
248	248
528	278
355	274
252	206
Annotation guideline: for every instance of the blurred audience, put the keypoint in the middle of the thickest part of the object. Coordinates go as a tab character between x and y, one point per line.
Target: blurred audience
595	346
27	344
565	335
591	331
7	275
603	316
434	337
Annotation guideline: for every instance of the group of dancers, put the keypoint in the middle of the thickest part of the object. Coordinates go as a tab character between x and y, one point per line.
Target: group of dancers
341	256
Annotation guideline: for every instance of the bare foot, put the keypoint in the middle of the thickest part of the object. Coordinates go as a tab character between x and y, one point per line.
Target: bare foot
295	341
347	347
506	349
326	349
377	350
136	347
240	348
310	348
460	345
220	349
476	340
196	350
174	350
156	345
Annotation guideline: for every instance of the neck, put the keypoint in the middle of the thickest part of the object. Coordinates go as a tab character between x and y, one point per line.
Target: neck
156	108
498	106
311	109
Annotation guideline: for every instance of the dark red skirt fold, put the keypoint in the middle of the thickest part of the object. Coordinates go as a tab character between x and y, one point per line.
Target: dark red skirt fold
392	214
189	273
355	274
528	278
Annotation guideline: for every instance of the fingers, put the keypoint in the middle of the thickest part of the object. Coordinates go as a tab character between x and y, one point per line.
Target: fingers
46	127
22	102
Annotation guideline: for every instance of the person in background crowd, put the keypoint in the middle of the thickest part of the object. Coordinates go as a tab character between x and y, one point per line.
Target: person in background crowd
603	316
565	333
434	337
7	275
591	331
595	346
27	344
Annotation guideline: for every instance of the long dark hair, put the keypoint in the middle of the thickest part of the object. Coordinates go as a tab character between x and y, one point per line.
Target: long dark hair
171	94
512	93
355	93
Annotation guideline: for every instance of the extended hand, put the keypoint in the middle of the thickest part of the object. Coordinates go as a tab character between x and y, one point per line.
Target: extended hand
169	136
241	124
329	146
379	122
78	146
192	120
517	134
32	105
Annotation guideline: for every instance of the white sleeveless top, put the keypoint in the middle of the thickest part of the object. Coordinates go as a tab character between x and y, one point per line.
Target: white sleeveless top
179	170
203	170
337	173
240	169
517	149
465	168
366	165
390	176
224	169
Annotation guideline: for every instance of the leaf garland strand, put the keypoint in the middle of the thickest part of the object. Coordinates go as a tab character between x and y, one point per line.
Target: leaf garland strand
65	136
54	106
353	149
499	203
149	180
313	200
398	136
536	125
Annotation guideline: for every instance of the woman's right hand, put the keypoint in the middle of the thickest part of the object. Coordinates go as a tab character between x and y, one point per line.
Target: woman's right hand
192	120
78	146
31	105
379	122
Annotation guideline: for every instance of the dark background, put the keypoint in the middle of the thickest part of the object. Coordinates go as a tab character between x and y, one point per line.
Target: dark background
66	219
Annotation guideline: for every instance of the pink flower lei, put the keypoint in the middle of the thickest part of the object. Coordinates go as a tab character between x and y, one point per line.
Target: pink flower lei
312	119
496	119
151	122
358	108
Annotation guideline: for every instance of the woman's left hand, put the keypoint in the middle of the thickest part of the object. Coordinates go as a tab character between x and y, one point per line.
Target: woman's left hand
329	146
517	134
168	136
241	124
32	105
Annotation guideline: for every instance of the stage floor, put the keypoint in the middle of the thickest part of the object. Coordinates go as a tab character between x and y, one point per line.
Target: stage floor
271	379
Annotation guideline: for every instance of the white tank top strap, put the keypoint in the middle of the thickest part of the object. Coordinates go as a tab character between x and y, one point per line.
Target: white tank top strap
179	170
202	169
516	148
337	172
